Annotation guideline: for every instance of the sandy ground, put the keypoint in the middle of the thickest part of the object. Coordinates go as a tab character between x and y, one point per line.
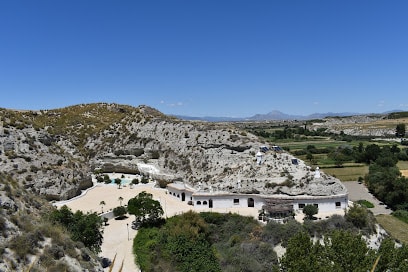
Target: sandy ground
404	173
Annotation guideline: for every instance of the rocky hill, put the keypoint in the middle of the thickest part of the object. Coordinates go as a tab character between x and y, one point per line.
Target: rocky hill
53	152
29	242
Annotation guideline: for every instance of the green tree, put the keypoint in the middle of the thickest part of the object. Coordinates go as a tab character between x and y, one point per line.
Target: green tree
310	210
400	130
82	227
145	208
302	255
119	211
186	239
106	179
347	252
358	216
135	181
118	182
371	153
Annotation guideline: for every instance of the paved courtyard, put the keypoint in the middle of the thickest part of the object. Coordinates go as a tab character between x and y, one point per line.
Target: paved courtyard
359	191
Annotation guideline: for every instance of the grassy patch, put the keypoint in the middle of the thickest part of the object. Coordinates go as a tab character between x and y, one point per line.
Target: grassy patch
347	173
402	165
365	203
395	227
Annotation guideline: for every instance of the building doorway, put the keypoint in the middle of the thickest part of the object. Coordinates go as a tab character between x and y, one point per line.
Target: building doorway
210	203
251	202
183	197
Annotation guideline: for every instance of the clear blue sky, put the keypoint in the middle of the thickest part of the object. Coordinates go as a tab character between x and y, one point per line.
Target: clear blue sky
206	57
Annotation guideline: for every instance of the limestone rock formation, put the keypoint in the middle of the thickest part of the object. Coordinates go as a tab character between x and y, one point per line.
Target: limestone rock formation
54	152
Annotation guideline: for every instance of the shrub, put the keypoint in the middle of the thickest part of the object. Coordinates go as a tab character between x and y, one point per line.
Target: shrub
310	211
119	211
401	215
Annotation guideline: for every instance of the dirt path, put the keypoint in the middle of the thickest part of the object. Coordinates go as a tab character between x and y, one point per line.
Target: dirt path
359	191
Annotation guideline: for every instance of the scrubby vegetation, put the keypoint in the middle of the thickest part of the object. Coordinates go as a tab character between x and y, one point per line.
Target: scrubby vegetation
229	242
29	241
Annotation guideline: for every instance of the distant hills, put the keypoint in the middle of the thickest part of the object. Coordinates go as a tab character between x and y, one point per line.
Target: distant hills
276	115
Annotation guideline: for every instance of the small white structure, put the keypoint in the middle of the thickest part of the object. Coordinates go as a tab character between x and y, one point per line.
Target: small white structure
259	157
317	173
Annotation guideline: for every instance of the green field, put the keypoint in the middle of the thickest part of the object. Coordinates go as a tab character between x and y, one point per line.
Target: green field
347	173
395	227
403	165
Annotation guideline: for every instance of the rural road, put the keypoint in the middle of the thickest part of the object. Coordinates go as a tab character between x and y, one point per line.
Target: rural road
359	191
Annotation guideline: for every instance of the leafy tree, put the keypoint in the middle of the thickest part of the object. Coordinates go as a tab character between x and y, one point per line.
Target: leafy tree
119	212
83	227
118	182
87	229
400	130
135	181
145	208
342	251
346	251
186	239
302	255
357	215
371	153
106	179
310	210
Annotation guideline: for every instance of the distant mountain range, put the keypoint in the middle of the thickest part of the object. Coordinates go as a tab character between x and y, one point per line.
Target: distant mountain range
276	115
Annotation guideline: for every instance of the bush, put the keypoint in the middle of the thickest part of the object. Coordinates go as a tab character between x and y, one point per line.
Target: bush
135	181
401	215
119	212
310	210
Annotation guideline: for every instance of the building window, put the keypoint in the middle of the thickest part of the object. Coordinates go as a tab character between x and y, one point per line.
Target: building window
301	205
236	201
198	202
338	204
204	202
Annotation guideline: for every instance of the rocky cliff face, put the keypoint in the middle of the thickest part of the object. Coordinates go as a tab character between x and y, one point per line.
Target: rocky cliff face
54	152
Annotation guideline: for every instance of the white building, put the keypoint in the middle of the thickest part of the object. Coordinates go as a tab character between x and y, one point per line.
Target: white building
204	199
